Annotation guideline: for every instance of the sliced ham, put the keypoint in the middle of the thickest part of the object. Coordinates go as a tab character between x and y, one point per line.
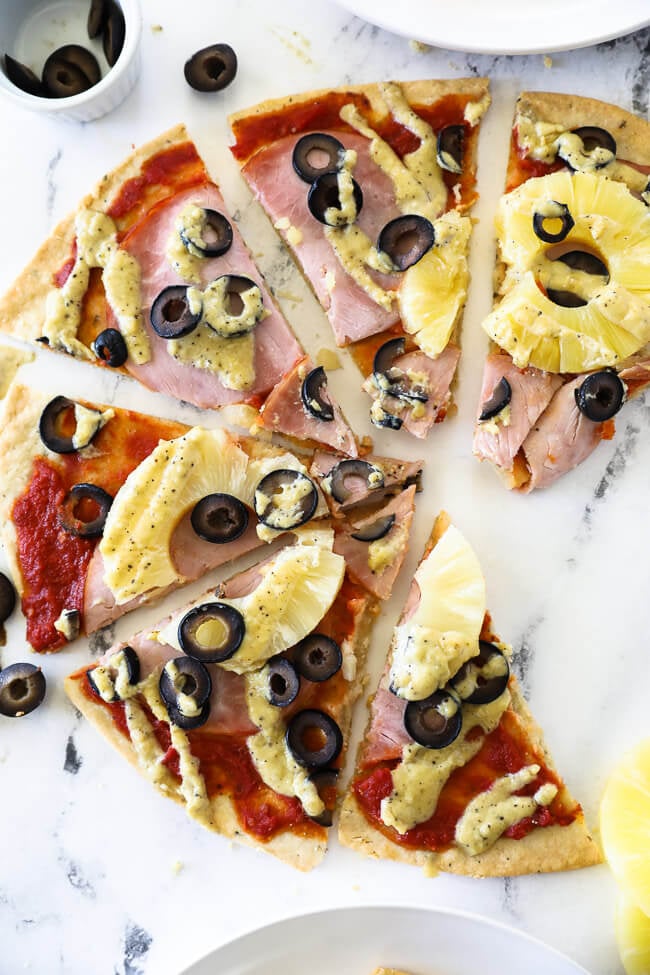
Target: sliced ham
386	735
353	315
397	474
636	377
285	412
532	391
276	348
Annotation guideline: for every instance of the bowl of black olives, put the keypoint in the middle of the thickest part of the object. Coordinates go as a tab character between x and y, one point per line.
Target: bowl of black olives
76	59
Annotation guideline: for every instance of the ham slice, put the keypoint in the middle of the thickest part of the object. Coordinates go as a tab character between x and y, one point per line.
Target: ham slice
353	315
276	348
386	735
397	474
532	391
285	412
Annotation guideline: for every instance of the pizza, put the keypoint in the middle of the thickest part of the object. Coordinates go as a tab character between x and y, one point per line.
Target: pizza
453	773
570	330
368	186
150	277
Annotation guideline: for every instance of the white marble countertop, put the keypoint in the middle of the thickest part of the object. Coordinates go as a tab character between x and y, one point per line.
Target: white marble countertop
89	856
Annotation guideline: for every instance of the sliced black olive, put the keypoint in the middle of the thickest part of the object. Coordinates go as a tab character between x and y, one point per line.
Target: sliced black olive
284	682
475	688
22	689
312	399
553	211
237	323
82	58
215	237
84	510
313	738
317	657
389	378
378	529
436	721
601	395
381	418
50	424
594	137
212	632
23	77
7	597
132	664
324	195
96	16
567	299
171	315
501	396
69	624
584	261
62	79
184	678
325	779
285	499
185	722
110	347
212	68
315	154
114	33
219	518
406	239
345	469
449	149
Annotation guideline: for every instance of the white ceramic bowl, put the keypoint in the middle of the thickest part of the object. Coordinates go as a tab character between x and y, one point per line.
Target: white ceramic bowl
32	29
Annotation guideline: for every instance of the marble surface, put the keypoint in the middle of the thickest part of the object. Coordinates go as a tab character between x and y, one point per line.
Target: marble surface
97	874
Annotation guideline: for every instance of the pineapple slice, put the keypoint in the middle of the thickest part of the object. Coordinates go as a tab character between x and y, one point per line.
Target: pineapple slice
632	936
432	292
443	631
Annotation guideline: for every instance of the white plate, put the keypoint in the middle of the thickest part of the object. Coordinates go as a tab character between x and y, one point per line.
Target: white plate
354	941
505	26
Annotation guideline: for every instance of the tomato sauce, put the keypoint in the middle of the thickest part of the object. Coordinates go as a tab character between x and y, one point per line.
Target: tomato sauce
522	167
178	167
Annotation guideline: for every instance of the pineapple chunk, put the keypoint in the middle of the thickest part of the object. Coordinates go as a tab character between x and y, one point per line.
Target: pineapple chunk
432	292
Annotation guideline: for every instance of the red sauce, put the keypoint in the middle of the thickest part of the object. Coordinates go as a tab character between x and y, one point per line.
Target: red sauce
522	167
60	277
505	750
179	166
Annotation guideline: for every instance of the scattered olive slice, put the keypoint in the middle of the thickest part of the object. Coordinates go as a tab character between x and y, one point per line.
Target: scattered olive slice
356	468
312	399
7	597
406	239
313	738
50	424
578	261
23	77
449	148
381	418
211	632
501	396
110	347
69	624
472	685
238	318
317	153
171	315
285	499
553	211
22	689
114	33
212	68
82	58
63	79
317	657
436	721
215	237
389	378
185	722
378	529
601	395
219	518
132	665
324	779
75	505
324	195
283	682
96	17
185	686
594	137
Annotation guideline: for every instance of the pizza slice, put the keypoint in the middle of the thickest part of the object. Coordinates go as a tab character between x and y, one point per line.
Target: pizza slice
453	773
238	705
570	330
367	185
150	276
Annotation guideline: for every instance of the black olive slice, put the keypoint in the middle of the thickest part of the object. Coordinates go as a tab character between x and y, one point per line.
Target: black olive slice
212	68
171	315
313	738
449	148
285	499
185	686
7	597
219	518
317	657
381	418
325	779
82	58
594	137
215	237
312	399
23	77
324	195
114	33
584	261
284	682
132	663
472	686
50	425
110	347
22	689
567	299
186	722
69	624
212	632
345	469
553	211
63	79
237	323
406	239
436	721
390	379
601	395
317	153
378	529
96	16
501	396
84	510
